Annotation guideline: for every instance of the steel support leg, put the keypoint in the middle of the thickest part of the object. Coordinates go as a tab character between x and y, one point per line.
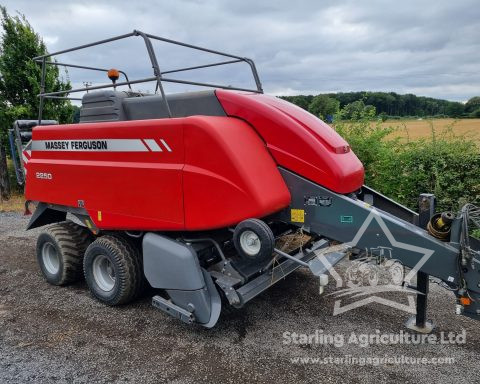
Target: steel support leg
419	322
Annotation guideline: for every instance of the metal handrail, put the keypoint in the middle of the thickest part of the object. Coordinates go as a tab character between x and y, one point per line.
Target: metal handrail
86	67
158	74
40	58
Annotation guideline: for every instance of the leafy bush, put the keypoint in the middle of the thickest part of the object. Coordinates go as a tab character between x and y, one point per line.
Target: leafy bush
323	106
476	113
356	111
446	164
383	116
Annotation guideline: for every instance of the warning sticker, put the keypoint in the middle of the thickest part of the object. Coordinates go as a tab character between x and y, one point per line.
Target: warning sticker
297	215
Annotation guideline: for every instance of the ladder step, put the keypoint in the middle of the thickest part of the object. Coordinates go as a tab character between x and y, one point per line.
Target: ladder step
172	309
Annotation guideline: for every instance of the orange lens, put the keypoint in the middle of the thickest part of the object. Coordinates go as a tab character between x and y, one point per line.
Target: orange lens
465	301
113	74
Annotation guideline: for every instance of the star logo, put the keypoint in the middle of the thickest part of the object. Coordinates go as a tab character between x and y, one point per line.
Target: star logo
364	295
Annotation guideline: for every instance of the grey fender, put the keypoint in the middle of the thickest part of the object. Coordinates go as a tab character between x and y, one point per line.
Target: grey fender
174	267
44	215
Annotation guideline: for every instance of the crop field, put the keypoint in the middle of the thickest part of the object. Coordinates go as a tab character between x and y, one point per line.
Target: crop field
15	204
417	129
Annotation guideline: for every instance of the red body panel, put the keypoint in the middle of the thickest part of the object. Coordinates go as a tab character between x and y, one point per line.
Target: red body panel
298	140
188	173
229	174
192	173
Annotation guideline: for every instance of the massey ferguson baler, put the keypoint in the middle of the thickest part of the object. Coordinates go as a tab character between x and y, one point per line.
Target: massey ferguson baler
191	193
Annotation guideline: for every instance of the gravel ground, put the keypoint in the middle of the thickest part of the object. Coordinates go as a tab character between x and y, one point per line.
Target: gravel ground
52	334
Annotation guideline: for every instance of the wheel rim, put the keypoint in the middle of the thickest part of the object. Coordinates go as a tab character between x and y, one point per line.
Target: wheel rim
50	258
372	277
103	273
353	276
250	243
396	272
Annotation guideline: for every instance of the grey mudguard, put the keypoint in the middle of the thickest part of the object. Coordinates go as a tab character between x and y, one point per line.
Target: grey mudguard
174	267
169	264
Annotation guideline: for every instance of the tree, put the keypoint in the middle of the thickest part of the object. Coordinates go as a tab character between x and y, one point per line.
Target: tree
476	113
301	101
357	111
20	77
472	104
454	109
323	106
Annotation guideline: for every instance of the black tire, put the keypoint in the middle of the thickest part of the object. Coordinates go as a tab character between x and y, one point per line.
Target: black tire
265	237
120	257
60	250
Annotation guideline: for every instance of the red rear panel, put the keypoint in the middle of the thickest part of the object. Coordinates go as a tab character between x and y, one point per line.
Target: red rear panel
192	173
298	140
229	175
127	185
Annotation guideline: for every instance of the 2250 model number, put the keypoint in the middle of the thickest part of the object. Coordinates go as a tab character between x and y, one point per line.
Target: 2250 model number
43	175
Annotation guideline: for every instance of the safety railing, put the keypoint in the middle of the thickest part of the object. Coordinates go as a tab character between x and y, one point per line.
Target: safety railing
158	75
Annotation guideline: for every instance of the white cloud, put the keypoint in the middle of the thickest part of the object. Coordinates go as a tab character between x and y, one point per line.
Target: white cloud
430	48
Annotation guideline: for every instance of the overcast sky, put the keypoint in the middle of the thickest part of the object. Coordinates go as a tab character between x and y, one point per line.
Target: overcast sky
429	48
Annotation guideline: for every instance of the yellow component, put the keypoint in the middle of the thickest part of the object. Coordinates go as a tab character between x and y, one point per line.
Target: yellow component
89	225
297	215
440	223
99	215
465	301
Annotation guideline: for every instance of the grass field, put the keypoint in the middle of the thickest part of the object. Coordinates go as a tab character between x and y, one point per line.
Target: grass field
15	204
416	129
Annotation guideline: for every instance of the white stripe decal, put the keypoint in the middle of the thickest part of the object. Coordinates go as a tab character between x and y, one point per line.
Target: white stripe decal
146	145
166	145
25	160
29	153
152	144
97	145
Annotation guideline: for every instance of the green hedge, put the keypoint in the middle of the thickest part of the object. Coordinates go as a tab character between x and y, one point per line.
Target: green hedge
447	165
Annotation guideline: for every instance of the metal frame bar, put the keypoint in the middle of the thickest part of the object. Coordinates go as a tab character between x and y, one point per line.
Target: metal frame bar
427	205
62	97
245	59
109	40
158	74
256	286
205	84
86	67
419	322
19	173
156	68
146	80
42	90
202	66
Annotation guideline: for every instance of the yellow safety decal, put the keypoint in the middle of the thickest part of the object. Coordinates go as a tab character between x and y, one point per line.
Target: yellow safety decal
297	215
99	215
